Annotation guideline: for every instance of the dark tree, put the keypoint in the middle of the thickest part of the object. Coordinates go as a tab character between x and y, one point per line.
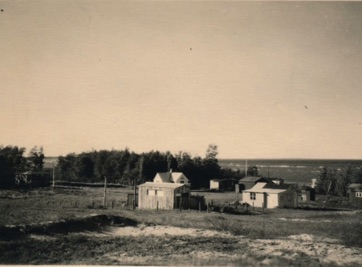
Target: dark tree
36	157
84	167
253	171
11	162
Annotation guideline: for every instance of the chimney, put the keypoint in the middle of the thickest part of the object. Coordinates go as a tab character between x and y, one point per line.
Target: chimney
170	176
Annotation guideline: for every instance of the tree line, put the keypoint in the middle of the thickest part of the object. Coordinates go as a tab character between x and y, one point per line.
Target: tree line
126	167
118	166
335	182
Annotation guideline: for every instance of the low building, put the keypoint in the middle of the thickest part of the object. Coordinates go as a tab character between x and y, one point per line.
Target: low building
164	196
354	193
33	178
263	197
249	181
306	194
303	196
227	184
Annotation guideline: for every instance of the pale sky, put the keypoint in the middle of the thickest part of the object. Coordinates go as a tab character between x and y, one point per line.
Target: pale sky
259	79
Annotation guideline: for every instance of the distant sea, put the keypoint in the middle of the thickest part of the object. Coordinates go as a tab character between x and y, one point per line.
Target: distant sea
300	171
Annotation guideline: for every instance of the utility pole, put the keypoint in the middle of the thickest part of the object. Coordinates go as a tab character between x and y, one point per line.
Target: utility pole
246	168
53	176
135	182
105	193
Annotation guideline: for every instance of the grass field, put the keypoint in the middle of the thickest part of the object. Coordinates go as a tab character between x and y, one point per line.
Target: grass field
116	235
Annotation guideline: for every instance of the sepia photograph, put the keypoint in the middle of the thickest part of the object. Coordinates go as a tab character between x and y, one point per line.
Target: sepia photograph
180	133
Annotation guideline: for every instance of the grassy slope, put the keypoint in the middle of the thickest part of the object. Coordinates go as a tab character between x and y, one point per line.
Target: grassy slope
38	206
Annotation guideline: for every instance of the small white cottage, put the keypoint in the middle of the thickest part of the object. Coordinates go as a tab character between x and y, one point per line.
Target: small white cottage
263	197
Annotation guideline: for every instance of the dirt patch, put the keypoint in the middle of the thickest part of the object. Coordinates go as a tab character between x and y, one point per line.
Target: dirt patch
159	230
297	247
125	241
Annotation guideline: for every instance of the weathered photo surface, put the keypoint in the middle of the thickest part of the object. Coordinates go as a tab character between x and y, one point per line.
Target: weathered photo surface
181	133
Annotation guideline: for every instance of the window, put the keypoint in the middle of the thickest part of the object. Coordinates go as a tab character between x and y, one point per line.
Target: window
150	192
358	194
252	196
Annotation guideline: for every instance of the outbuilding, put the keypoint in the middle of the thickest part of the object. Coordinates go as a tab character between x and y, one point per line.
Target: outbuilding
226	184
263	197
164	196
33	178
354	193
249	181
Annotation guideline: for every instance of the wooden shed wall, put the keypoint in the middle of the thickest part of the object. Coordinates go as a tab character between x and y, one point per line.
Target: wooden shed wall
165	201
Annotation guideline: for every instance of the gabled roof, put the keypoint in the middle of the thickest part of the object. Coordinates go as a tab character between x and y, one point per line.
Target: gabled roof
169	177
258	186
355	186
282	186
162	185
261	188
165	176
275	179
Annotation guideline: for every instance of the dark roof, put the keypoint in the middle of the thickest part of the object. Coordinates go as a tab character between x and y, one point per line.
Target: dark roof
252	179
275	179
224	179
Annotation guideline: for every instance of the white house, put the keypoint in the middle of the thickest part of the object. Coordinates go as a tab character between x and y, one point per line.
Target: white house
171	177
263	197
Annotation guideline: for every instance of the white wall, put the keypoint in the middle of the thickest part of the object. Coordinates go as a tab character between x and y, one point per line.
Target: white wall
273	200
257	202
214	184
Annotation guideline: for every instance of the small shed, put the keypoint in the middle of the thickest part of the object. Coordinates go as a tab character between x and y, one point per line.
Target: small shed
227	184
164	196
306	194
354	193
262	197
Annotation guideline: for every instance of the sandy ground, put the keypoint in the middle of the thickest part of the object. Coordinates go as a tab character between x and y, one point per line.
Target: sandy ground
292	248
